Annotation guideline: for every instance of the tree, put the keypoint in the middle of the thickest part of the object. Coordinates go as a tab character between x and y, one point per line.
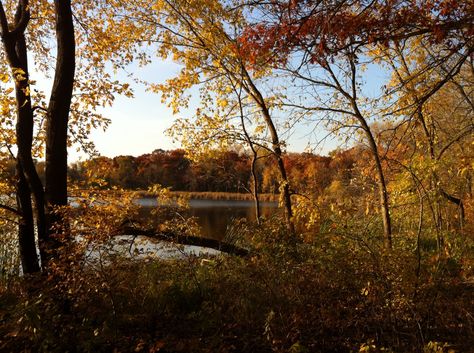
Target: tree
15	47
339	94
24	35
335	34
28	182
58	116
326	27
420	85
124	172
203	37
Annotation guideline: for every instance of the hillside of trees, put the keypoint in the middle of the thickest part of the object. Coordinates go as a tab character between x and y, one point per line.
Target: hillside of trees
372	249
226	171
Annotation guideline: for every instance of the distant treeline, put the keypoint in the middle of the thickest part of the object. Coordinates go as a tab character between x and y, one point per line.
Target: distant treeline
227	171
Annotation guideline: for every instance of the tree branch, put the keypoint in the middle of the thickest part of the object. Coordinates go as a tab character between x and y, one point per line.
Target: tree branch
23	18
455	139
3	22
10	209
185	240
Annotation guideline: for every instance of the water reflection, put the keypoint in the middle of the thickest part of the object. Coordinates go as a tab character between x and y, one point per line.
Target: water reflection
213	216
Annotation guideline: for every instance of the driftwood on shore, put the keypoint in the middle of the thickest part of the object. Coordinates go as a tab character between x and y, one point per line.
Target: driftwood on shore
184	240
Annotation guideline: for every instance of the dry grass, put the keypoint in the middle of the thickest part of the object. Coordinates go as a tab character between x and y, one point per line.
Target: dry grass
207	195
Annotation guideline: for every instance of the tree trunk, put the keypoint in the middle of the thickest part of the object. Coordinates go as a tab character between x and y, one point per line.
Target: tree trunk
255	186
26	233
24	135
57	122
253	167
284	183
381	184
185	240
383	195
384	206
14	44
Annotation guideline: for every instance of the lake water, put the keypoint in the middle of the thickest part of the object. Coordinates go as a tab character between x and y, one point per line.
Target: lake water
214	216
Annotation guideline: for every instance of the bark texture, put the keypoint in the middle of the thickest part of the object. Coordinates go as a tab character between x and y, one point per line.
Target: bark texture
57	122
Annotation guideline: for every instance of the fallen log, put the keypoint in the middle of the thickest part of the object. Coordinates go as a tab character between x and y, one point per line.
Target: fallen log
184	240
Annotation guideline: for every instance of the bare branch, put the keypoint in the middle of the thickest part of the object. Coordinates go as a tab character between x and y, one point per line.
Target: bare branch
10	209
22	18
3	22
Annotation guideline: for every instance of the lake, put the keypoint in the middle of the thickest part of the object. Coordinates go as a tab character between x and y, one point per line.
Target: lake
213	216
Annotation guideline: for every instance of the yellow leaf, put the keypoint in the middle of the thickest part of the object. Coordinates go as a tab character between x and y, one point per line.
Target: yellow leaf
4	78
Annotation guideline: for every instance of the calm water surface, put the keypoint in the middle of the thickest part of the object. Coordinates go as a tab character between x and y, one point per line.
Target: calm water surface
213	216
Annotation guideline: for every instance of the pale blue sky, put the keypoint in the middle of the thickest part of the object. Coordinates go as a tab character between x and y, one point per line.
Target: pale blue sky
138	124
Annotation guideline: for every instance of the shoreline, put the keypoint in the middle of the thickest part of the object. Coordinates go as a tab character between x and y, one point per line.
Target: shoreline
210	195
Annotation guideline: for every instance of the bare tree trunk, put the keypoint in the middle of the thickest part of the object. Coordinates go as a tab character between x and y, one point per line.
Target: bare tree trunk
24	133
381	184
276	148
384	206
26	233
284	184
255	185
254	162
58	114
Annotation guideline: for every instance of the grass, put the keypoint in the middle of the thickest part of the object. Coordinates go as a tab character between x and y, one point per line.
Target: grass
206	195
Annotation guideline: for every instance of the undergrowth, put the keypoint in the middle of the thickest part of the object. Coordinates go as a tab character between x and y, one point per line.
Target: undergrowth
339	293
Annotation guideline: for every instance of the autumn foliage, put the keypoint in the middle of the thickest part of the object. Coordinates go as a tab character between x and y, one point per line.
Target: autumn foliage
325	28
374	248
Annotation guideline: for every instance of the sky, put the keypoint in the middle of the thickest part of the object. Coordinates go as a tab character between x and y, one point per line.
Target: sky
138	124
